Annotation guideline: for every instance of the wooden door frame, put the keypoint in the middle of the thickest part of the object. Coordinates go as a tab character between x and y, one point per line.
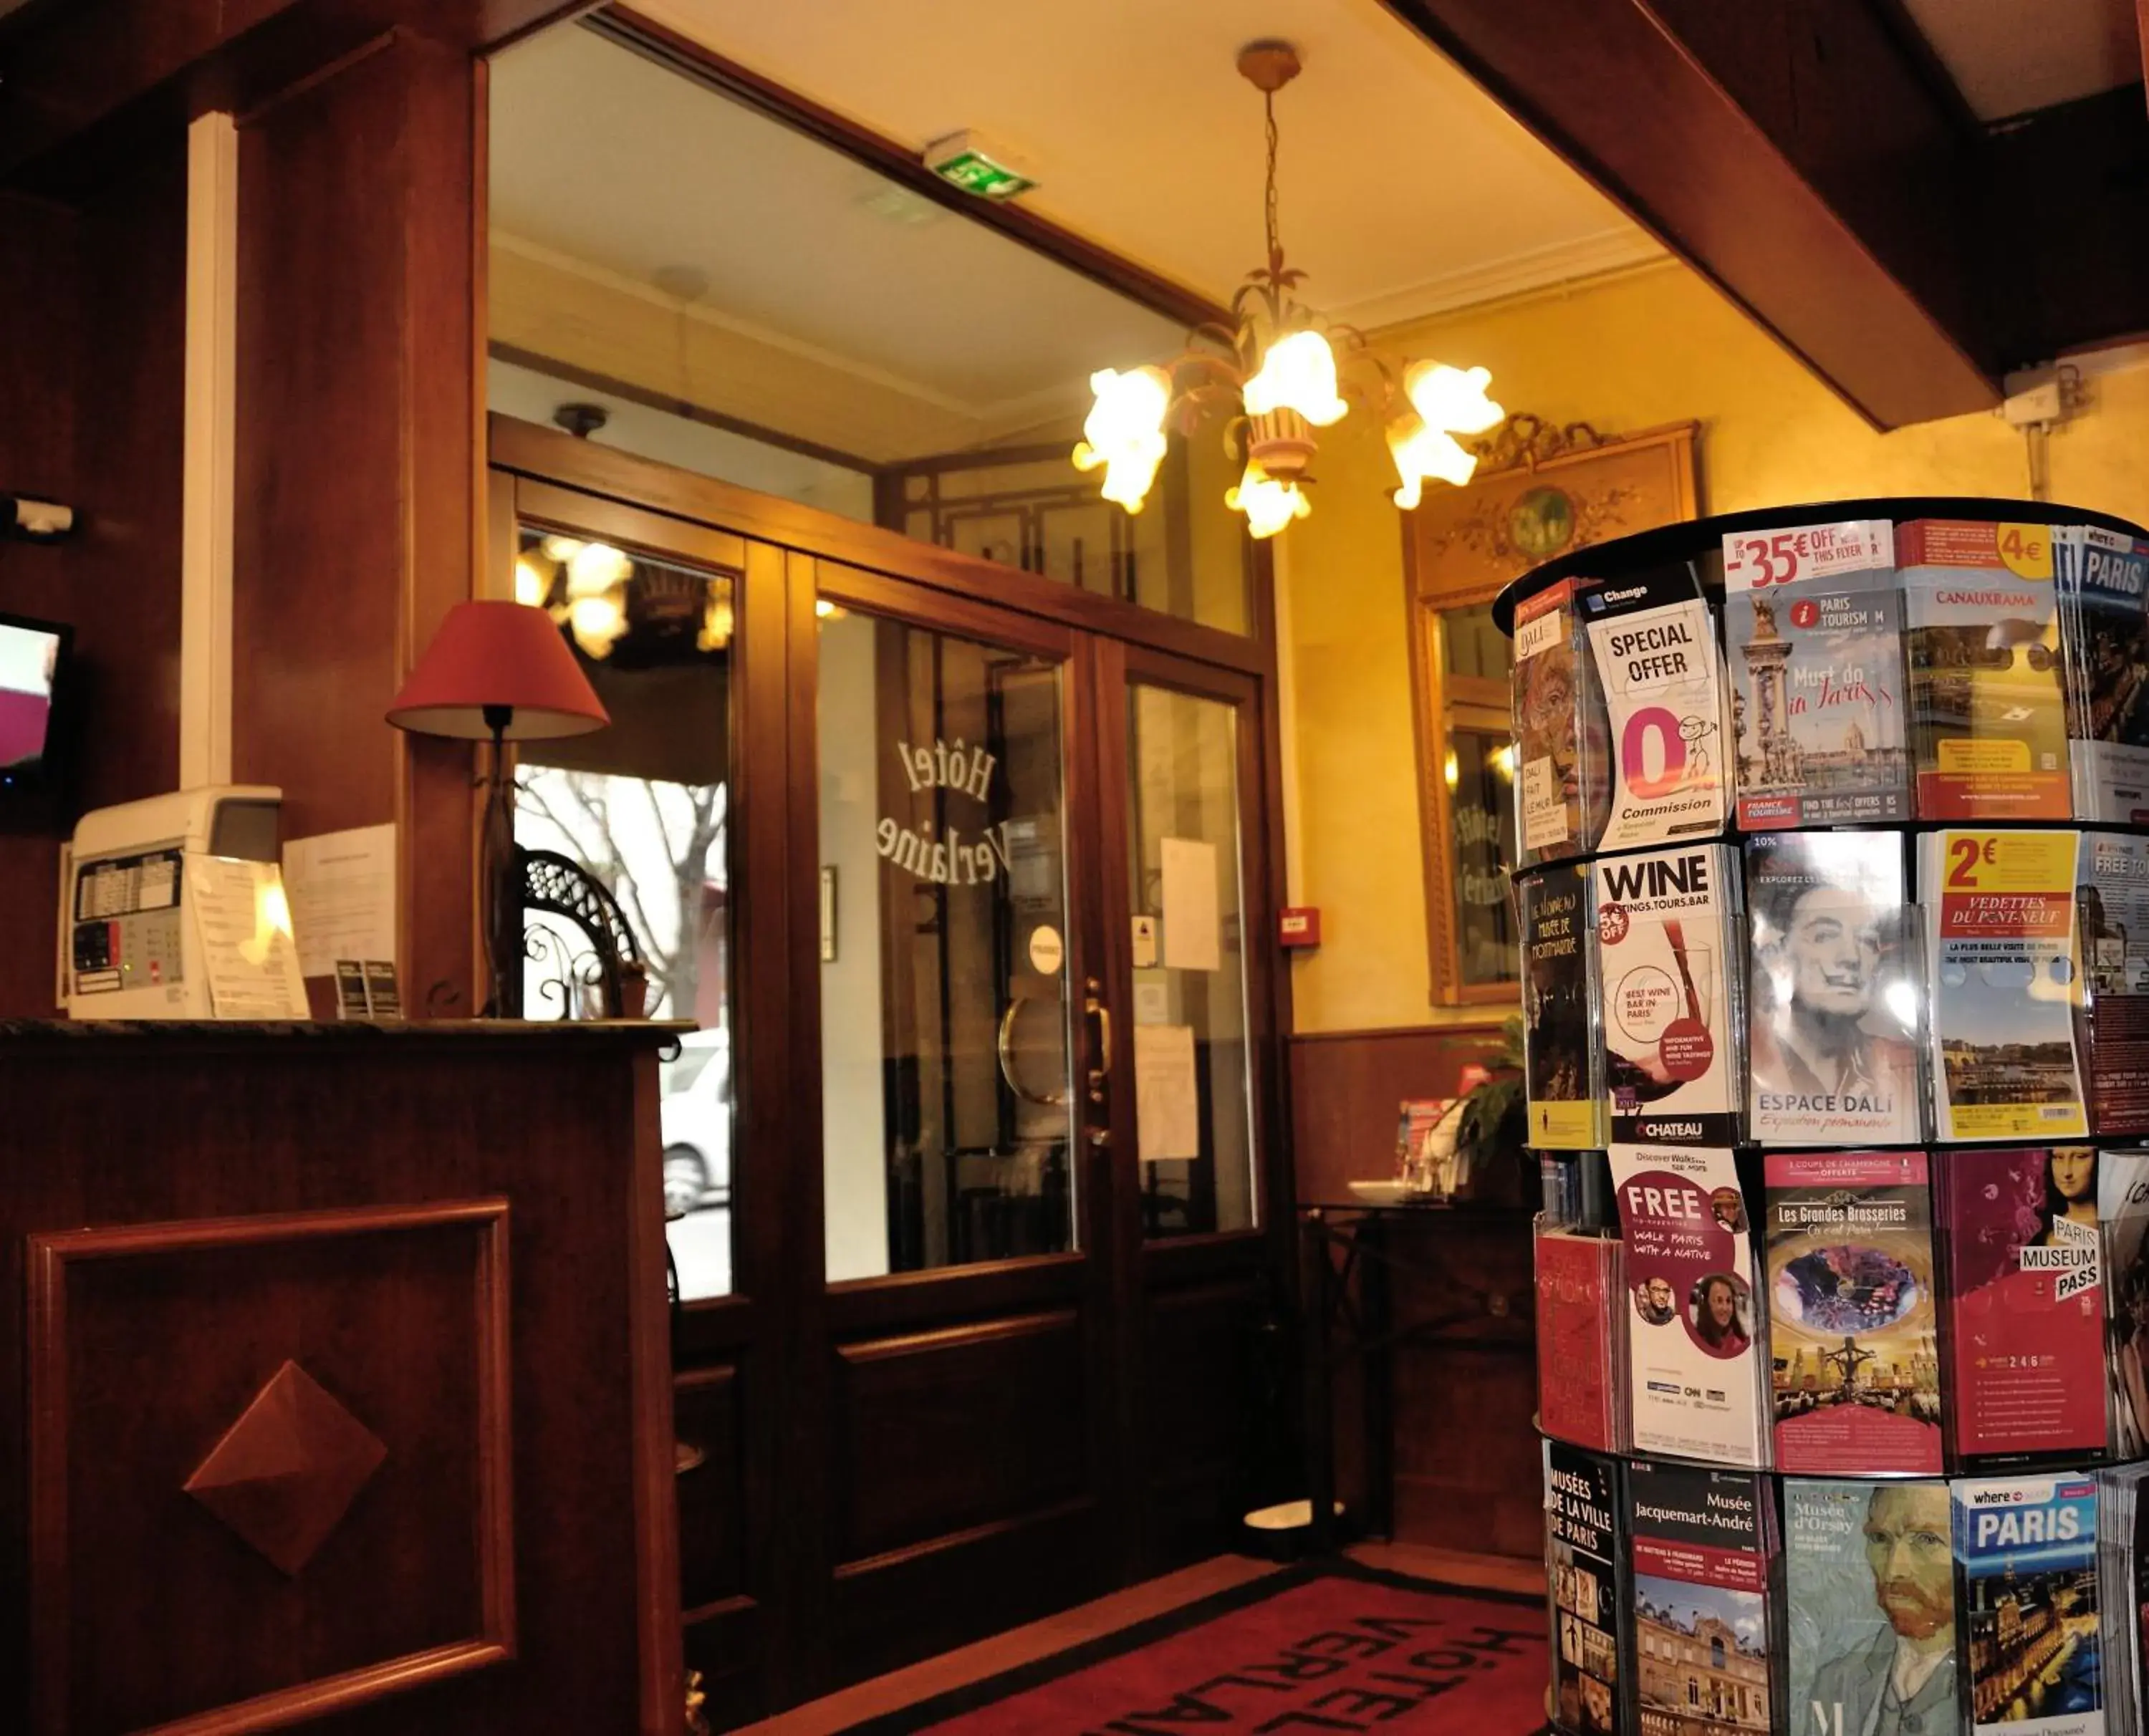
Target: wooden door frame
546	455
795	554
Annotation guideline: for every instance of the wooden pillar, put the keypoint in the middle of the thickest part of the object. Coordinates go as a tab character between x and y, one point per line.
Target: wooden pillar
359	344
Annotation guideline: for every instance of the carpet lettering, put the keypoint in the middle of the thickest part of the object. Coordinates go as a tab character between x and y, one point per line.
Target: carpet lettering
1352	1678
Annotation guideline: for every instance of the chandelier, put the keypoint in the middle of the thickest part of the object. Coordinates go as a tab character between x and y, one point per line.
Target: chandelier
1276	368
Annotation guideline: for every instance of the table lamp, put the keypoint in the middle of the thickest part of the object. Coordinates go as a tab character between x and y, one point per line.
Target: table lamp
498	671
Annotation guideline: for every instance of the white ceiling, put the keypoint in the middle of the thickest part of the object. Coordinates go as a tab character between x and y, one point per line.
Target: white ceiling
1405	188
2008	56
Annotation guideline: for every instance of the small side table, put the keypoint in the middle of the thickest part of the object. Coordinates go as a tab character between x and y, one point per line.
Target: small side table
1348	1261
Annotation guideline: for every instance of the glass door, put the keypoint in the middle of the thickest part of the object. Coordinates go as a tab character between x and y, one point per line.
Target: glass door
948	1134
1203	1217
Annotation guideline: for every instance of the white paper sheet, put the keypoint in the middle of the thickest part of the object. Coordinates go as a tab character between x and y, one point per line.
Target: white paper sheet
342	890
245	927
1152	1003
1167	1108
1193	939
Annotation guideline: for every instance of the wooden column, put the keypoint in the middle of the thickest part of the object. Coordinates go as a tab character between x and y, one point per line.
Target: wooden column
360	343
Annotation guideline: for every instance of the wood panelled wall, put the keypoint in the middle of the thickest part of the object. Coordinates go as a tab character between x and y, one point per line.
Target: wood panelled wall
357	456
1346	1090
91	390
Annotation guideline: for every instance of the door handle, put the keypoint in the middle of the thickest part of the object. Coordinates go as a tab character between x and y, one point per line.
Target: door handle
1102	1014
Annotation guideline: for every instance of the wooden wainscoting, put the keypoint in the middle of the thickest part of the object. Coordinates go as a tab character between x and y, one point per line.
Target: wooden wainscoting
1209	1397
1346	1087
296	1261
961	1462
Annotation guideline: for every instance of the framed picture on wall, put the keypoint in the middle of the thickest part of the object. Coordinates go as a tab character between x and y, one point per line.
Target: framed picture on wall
1540	490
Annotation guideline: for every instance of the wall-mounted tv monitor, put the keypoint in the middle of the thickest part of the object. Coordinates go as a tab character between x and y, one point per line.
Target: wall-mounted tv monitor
33	683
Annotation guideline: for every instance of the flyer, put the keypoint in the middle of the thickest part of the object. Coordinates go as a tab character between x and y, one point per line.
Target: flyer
2003	984
1560	1071
1579	1311
1653	640
2028	1594
1583	1557
1563	760
2111	897
1692	1370
1853	1311
2103	578
1988	714
1869	1589
1670	1060
2025	1372
1700	1542
1833	991
1814	631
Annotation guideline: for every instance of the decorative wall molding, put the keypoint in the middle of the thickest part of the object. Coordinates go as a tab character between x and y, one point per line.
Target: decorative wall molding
306	1453
1559	265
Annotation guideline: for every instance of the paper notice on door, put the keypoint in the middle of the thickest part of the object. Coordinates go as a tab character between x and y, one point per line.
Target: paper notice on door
1193	939
245	926
342	890
1152	1003
1167	1108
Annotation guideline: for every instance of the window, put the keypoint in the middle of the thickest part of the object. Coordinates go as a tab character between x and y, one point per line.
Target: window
1029	507
946	1101
643	807
1189	1009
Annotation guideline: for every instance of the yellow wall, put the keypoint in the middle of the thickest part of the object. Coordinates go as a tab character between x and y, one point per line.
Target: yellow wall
1634	352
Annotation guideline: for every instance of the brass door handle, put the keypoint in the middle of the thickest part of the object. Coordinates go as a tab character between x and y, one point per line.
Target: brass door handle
1103	1013
1051	1100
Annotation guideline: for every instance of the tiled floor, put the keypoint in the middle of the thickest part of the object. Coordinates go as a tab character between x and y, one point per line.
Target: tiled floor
1107	1615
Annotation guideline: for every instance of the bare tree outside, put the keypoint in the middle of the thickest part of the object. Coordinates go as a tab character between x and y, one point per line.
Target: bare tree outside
655	846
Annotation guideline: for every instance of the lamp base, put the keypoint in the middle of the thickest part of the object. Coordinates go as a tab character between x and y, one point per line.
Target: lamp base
499	914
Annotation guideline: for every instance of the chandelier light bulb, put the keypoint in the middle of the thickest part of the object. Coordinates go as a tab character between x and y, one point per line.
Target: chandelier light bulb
1452	398
1269	505
1421	451
596	621
1298	372
594	568
1124	431
530	584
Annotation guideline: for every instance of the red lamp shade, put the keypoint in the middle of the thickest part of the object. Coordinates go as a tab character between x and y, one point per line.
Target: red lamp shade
498	656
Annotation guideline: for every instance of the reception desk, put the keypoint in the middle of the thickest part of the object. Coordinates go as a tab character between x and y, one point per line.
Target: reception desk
337	1383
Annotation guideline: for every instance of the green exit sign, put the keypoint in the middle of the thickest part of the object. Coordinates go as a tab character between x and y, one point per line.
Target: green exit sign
963	160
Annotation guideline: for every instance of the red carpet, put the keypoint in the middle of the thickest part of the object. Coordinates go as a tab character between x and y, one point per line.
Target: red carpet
1333	1647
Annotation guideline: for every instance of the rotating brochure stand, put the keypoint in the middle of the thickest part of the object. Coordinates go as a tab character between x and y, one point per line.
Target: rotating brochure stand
1833	887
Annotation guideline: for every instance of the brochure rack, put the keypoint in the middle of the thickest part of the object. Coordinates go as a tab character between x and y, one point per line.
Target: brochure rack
1833	884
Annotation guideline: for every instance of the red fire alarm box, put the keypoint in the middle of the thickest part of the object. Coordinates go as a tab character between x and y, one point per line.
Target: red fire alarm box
1299	928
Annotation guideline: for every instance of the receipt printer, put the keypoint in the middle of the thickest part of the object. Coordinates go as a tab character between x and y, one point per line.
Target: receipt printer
173	907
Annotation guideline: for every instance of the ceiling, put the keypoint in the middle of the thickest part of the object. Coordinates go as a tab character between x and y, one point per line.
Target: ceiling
2008	56
1405	189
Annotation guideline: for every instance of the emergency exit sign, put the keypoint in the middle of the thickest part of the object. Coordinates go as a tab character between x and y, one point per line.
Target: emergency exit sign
969	161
